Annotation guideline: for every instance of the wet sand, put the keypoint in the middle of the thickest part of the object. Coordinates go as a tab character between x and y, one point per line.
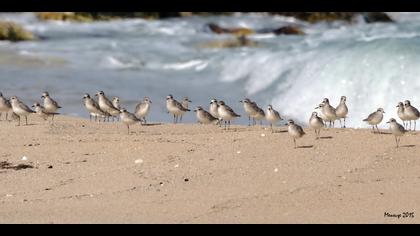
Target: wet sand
86	172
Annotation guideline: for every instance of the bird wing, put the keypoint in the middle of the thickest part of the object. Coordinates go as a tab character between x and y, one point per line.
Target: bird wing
55	103
180	106
230	110
25	108
370	117
139	107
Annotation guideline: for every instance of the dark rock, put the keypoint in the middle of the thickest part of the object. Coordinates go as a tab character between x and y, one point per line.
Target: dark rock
289	30
374	17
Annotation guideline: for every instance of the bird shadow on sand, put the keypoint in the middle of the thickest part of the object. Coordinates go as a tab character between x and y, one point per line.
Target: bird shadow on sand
154	124
280	131
305	147
327	137
408	146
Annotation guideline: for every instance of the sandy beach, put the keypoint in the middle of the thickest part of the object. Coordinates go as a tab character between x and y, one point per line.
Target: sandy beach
85	172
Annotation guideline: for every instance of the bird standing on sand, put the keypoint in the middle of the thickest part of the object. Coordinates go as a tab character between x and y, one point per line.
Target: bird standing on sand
185	103
259	116
295	131
397	130
411	113
5	106
20	109
40	111
342	111
116	103
250	108
402	115
316	123
128	119
93	108
106	105
50	106
226	113
142	109
272	117
375	119
205	117
328	112
214	110
175	108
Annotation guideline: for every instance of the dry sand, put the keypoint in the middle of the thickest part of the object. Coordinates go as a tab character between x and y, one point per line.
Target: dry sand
202	174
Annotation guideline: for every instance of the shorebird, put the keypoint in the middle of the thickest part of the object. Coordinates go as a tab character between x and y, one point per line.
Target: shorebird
205	117
5	106
316	123
50	106
342	111
116	104
185	103
40	111
214	110
142	109
411	113
375	119
106	105
20	109
226	113
128	119
295	131
175	108
259	116
401	114
397	130
93	108
272	116
250	108
328	112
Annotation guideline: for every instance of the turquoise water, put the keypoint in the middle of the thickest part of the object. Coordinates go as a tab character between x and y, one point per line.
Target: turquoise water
375	65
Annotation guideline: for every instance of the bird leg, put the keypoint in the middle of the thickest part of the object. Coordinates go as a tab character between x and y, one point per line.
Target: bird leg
294	140
249	120
26	118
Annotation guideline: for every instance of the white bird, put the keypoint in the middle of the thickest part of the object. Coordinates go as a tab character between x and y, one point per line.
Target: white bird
106	105
397	130
93	108
401	114
316	123
342	111
50	105
40	111
128	119
5	106
375	119
295	131
226	113
142	109
272	116
411	113
205	117
175	108
20	109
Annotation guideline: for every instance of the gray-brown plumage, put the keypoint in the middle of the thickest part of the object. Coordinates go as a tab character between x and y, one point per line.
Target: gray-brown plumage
142	109
175	108
227	114
411	113
106	105
295	131
397	130
41	112
20	109
128	119
375	119
5	106
205	117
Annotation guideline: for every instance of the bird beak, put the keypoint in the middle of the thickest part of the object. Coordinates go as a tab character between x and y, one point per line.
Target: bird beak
241	101
195	110
388	122
189	101
33	106
43	97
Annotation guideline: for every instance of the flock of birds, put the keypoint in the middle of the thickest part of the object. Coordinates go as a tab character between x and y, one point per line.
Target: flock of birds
103	109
